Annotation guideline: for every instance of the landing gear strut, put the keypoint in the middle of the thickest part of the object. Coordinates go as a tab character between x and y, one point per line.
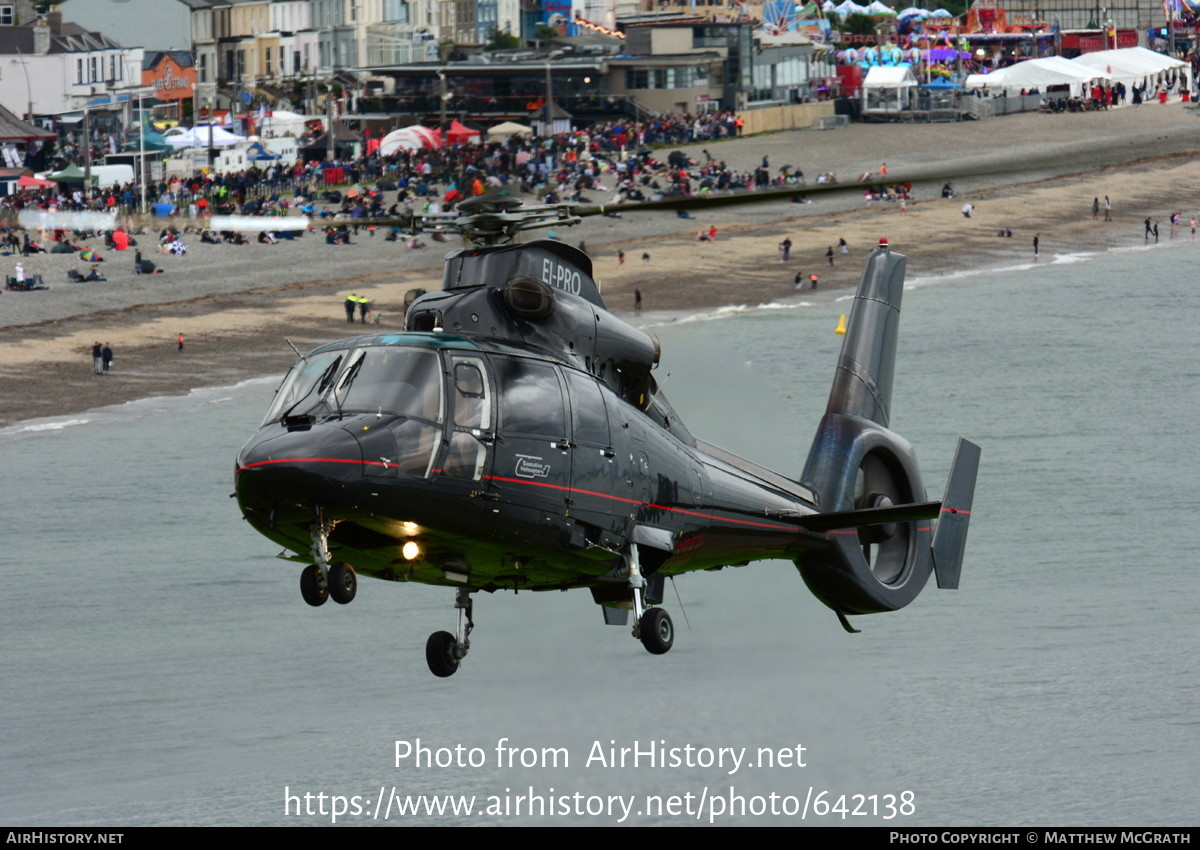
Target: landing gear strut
320	580
444	651
652	626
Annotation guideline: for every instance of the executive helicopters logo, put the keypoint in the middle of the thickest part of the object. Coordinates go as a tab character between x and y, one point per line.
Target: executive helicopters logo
529	466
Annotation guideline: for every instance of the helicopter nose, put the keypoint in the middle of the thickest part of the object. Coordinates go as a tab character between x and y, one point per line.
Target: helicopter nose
321	466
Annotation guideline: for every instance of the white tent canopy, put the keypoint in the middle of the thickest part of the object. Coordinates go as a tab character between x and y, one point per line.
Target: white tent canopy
849	7
281	122
1133	65
1036	73
509	128
204	136
888	89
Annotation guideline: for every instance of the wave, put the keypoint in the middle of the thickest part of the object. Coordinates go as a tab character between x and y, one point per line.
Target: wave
143	407
726	312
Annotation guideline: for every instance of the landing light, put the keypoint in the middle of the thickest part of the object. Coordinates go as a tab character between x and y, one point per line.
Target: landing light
410	550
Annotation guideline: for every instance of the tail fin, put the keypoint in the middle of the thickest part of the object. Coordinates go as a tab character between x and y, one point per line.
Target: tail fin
863	383
865	477
950	538
860	401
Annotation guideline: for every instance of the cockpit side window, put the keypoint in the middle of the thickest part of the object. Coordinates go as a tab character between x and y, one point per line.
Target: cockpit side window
471	420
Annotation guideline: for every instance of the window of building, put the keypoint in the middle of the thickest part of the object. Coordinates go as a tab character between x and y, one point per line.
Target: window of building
78	71
8	15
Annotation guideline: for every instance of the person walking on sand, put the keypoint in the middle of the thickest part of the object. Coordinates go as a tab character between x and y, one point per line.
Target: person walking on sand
1036	240
179	339
645	256
106	356
829	255
620	258
1107	209
1149	230
1095	209
349	304
637	300
98	359
812	280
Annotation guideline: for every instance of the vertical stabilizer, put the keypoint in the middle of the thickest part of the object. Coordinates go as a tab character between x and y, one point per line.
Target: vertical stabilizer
863	383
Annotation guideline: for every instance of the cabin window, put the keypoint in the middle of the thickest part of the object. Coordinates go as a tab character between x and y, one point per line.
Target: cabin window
589	418
531	400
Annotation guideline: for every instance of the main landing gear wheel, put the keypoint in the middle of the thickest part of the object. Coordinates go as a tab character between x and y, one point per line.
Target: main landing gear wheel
656	631
312	586
343	583
439	653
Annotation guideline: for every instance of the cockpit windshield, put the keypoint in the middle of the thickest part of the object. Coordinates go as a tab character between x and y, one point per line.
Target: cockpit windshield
305	385
396	380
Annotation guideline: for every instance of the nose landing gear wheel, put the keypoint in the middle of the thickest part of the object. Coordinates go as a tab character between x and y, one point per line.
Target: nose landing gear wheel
343	583
312	586
439	654
656	631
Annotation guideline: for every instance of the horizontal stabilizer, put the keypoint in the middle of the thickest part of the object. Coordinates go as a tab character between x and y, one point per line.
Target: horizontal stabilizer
950	539
871	516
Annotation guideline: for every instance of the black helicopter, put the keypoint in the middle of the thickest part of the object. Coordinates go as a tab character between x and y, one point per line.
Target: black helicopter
513	437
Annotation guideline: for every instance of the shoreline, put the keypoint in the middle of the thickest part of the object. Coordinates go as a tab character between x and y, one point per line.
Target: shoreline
236	305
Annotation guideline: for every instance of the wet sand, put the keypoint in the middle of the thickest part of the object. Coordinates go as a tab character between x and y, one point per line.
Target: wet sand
237	305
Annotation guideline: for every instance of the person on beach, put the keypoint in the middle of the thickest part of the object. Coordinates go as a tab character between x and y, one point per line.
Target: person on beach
1036	240
106	357
829	255
968	210
364	305
1149	230
637	300
645	256
1107	209
843	248
798	281
179	339
1095	209
812	279
785	250
349	303
97	359
620	258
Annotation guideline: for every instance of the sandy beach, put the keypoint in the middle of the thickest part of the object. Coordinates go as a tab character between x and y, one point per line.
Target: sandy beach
237	305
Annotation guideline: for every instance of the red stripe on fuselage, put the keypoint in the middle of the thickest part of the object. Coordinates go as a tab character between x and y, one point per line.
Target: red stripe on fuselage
536	484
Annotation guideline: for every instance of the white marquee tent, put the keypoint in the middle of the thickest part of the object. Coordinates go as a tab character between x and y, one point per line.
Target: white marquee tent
1036	73
1135	66
888	89
202	136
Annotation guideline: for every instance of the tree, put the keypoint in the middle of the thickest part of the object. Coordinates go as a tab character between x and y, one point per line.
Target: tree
499	40
858	24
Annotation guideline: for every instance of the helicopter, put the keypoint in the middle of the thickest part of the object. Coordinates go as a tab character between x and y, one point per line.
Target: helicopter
513	437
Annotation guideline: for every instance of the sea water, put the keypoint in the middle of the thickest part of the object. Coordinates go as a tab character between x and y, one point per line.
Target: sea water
159	666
